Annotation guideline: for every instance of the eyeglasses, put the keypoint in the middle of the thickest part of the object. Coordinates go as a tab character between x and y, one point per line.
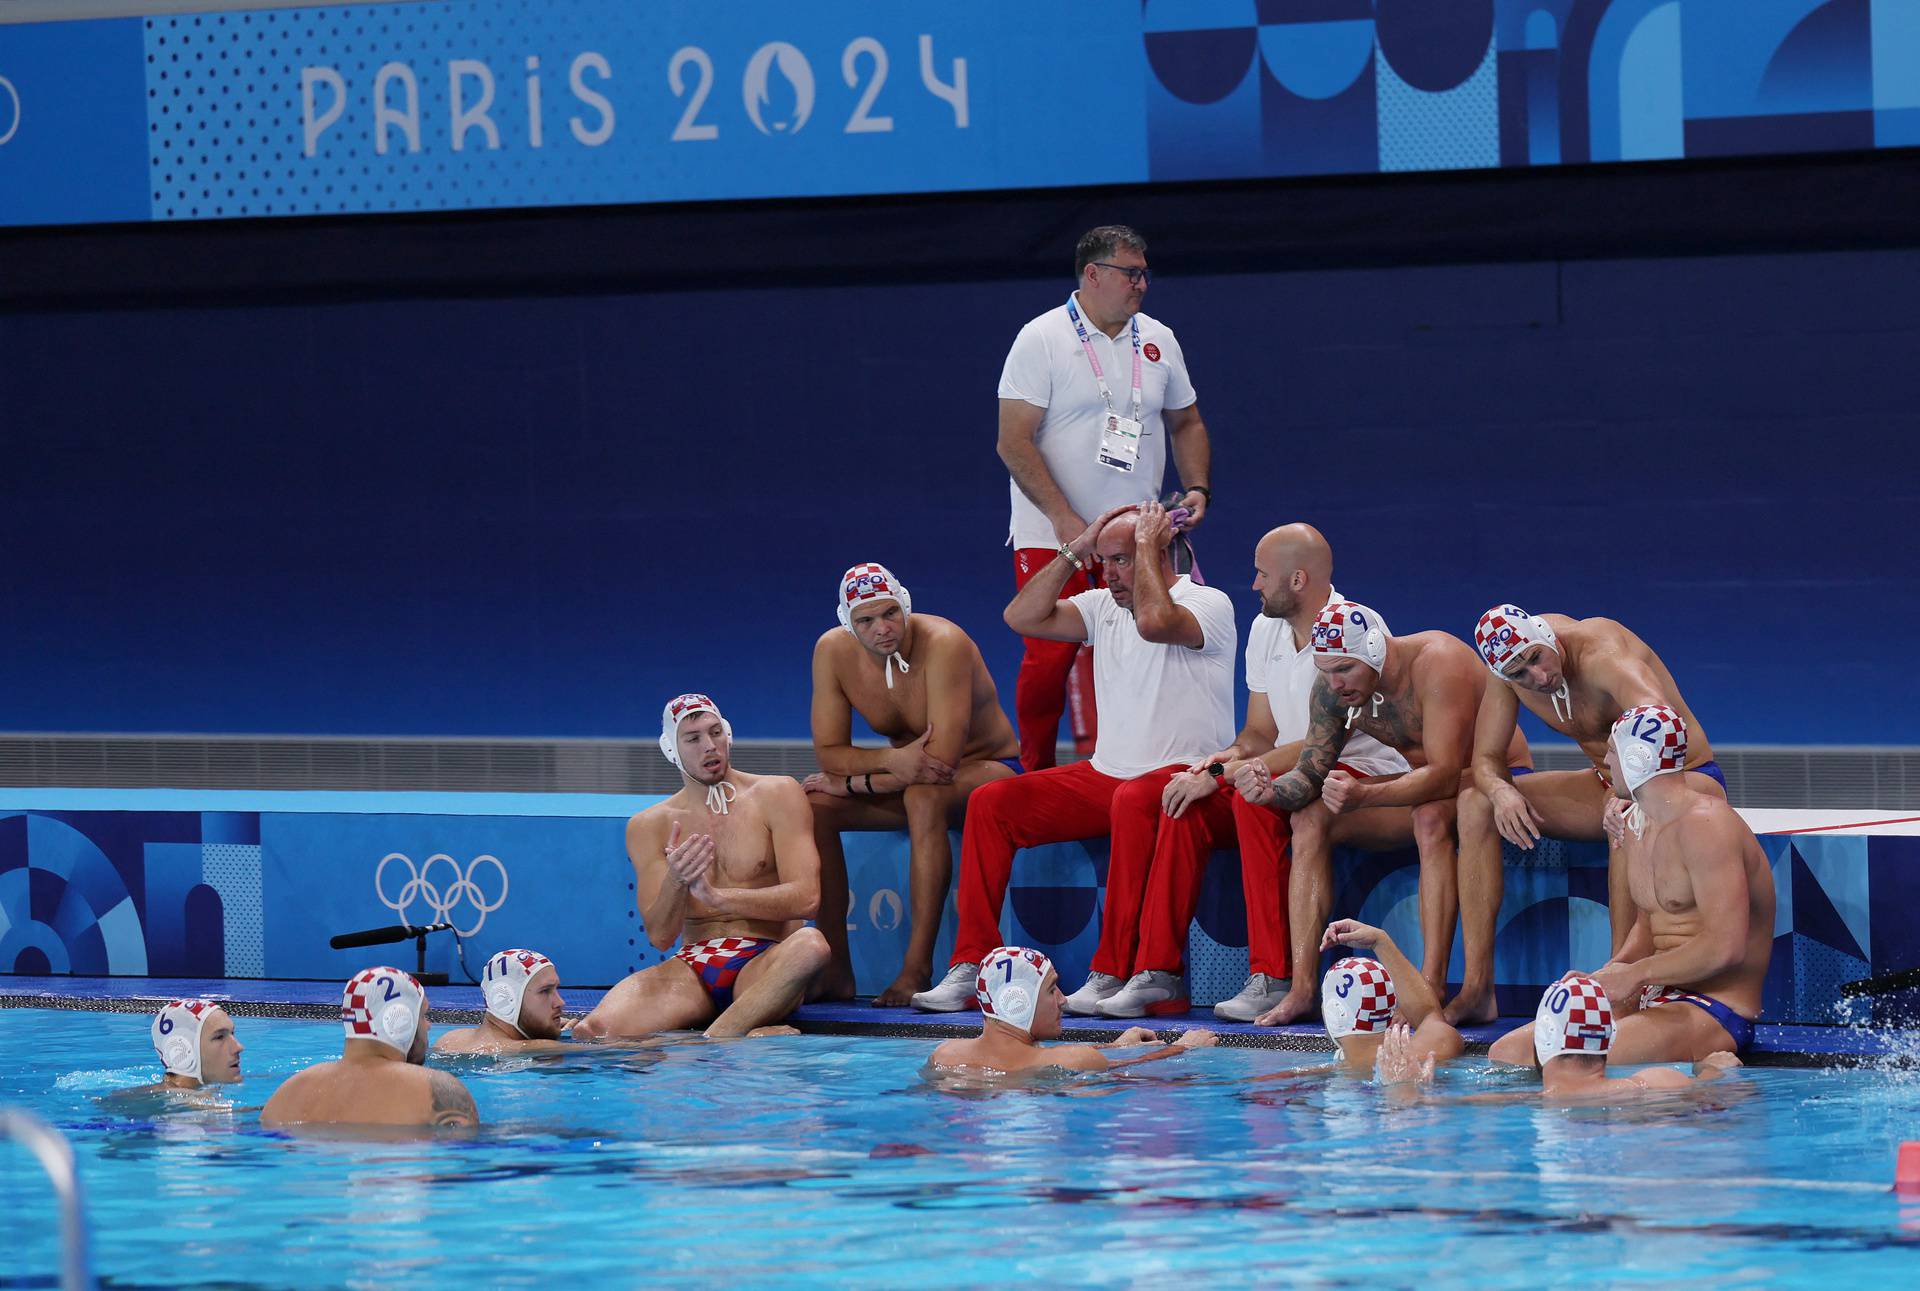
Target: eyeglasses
1136	274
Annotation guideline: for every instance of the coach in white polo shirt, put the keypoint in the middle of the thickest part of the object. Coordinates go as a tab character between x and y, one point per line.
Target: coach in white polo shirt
1293	574
1091	393
1163	651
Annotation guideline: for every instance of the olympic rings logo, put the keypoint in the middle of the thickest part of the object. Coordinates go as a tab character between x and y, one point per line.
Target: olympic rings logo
459	886
13	126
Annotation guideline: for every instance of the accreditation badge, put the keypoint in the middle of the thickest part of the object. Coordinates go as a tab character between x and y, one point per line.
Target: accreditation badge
1119	442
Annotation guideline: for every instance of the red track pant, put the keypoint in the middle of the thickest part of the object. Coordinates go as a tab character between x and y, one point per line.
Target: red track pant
1265	862
1153	873
1172	882
1040	689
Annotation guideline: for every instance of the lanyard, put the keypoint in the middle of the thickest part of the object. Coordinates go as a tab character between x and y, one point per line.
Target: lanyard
1094	360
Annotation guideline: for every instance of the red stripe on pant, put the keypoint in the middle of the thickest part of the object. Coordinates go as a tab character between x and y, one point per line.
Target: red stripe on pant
1040	689
1058	805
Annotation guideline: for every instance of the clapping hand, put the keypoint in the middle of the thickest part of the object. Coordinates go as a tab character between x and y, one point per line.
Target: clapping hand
690	862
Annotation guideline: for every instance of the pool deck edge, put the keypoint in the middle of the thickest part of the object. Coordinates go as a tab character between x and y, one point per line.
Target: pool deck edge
1775	1044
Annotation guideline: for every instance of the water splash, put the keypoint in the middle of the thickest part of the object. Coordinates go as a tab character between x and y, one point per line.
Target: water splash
1893	1043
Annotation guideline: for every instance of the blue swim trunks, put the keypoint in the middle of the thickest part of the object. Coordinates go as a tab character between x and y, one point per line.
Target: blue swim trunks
1015	764
1740	1029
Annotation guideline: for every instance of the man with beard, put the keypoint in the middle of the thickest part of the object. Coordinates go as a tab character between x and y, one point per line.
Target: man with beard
724	866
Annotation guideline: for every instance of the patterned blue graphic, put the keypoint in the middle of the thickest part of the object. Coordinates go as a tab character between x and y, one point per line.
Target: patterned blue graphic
231	894
506	103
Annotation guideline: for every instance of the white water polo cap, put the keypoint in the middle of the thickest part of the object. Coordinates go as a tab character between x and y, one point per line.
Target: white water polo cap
1009	985
1650	740
504	983
1357	995
1575	1016
871	581
1506	632
383	1004
678	709
176	1035
1351	629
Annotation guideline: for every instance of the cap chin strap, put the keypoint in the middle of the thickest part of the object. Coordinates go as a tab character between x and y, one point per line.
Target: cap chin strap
1564	695
905	667
1373	710
1636	819
719	794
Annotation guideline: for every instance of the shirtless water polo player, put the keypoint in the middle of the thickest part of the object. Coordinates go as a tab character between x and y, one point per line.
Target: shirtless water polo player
1576	675
379	1078
525	1012
1417	694
1688	979
920	682
723	866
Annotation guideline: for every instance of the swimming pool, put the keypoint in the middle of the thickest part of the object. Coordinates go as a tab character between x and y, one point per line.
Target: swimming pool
825	1160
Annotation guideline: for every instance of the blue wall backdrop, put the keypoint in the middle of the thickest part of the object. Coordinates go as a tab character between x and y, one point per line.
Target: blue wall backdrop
516	516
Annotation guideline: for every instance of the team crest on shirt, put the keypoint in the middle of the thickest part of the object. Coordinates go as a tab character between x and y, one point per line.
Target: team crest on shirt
1152	352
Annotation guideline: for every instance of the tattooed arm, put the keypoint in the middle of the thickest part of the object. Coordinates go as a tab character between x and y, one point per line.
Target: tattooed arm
1326	736
452	1105
1445	686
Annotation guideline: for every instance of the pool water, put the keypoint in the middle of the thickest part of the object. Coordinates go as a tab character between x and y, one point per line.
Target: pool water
828	1160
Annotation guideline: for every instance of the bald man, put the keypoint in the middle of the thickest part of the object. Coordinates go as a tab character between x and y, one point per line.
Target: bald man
1293	577
1163	684
1418	694
1577	676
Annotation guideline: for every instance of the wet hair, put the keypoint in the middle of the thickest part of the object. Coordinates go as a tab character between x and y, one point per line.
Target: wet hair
1101	243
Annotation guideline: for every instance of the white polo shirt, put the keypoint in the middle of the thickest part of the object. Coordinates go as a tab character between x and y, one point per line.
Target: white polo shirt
1047	368
1285	674
1159	704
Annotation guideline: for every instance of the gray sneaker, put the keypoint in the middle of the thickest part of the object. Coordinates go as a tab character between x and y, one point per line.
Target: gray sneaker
1256	997
1086	1001
954	993
1152	992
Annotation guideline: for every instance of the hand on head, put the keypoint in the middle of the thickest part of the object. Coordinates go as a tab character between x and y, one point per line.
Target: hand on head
1083	545
1155	529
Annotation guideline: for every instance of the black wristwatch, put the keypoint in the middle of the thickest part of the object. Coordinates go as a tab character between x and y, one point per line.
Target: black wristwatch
1202	490
1216	769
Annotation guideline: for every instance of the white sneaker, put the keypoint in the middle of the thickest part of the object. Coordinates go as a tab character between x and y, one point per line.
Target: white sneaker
1086	1001
1256	997
1152	992
954	993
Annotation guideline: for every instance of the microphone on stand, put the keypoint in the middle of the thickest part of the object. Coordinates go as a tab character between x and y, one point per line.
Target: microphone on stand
382	936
